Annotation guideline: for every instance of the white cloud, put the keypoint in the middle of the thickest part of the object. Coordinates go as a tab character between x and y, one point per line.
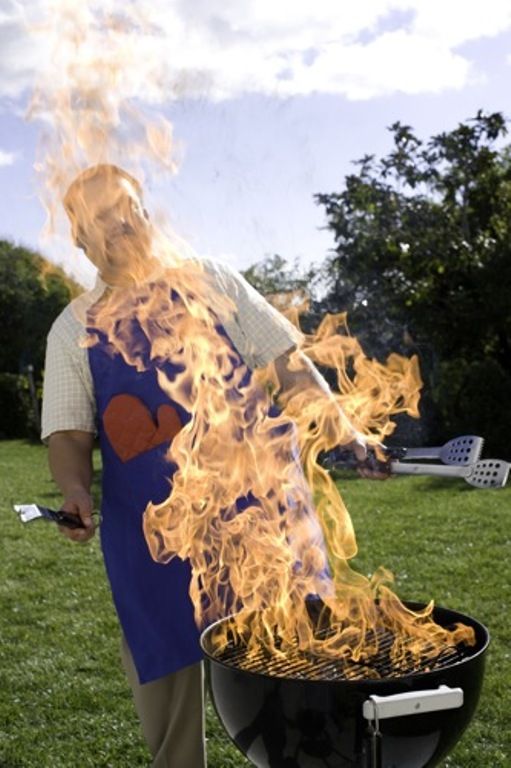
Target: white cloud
6	158
227	48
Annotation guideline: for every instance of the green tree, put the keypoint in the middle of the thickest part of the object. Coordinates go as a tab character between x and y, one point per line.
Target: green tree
275	275
32	293
422	259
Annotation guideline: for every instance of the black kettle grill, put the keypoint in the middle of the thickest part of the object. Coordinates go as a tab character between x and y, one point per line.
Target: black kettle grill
313	712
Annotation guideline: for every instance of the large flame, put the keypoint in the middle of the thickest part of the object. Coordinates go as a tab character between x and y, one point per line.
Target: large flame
261	522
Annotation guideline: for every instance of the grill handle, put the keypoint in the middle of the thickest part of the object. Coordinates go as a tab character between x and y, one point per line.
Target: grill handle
377	708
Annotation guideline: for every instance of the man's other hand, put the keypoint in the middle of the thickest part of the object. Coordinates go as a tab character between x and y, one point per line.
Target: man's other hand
368	465
79	503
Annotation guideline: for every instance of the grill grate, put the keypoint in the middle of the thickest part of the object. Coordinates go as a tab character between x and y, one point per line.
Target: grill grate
304	665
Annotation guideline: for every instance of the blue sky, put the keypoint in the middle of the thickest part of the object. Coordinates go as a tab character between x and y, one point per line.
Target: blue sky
273	111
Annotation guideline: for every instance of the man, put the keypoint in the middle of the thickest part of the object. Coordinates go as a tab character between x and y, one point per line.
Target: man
89	390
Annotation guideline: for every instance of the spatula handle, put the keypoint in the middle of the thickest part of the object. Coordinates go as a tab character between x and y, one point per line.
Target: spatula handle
423	453
438	470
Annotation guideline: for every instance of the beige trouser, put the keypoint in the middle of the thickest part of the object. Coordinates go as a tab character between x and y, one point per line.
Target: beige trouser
171	711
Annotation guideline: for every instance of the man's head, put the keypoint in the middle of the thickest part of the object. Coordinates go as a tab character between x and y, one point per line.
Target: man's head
108	221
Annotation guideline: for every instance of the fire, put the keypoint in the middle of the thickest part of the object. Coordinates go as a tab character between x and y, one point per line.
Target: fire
260	520
262	559
101	63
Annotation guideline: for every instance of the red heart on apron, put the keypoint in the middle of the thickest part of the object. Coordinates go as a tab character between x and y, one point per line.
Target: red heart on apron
130	427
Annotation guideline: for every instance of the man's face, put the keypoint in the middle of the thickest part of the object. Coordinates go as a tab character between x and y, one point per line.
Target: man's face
109	223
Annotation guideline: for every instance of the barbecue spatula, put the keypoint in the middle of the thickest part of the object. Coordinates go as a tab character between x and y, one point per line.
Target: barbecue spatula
461	451
29	512
487	473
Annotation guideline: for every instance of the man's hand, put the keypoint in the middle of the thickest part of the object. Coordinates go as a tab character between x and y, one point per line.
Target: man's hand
358	447
307	377
79	503
369	466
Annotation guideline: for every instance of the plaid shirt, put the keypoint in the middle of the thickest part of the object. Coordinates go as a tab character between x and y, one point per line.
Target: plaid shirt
259	332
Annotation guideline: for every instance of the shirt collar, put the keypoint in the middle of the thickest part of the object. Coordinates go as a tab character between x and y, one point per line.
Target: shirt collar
99	288
99	282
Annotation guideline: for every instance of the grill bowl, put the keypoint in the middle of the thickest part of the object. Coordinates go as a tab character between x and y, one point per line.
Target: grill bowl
292	722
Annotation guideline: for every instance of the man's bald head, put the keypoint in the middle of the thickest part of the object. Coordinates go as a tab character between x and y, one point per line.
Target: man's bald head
108	221
104	172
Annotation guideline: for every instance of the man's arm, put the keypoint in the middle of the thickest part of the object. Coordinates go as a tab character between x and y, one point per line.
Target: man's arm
306	377
262	335
70	459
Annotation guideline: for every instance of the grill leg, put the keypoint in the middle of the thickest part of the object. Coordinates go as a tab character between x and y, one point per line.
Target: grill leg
373	749
376	756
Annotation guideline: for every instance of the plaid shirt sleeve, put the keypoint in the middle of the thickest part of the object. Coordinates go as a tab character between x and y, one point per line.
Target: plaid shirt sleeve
68	399
259	331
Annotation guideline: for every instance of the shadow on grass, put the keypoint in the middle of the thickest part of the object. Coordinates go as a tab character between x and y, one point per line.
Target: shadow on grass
345	475
427	484
445	484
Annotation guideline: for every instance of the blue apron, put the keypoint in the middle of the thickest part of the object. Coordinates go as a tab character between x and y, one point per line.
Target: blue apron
152	599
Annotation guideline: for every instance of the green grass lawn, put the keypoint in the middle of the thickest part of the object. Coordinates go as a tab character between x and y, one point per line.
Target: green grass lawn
64	702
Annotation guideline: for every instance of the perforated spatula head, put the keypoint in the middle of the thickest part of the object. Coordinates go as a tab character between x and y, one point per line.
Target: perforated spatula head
462	451
489	473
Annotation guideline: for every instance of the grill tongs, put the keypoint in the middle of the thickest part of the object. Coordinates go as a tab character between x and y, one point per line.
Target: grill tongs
459	457
29	512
